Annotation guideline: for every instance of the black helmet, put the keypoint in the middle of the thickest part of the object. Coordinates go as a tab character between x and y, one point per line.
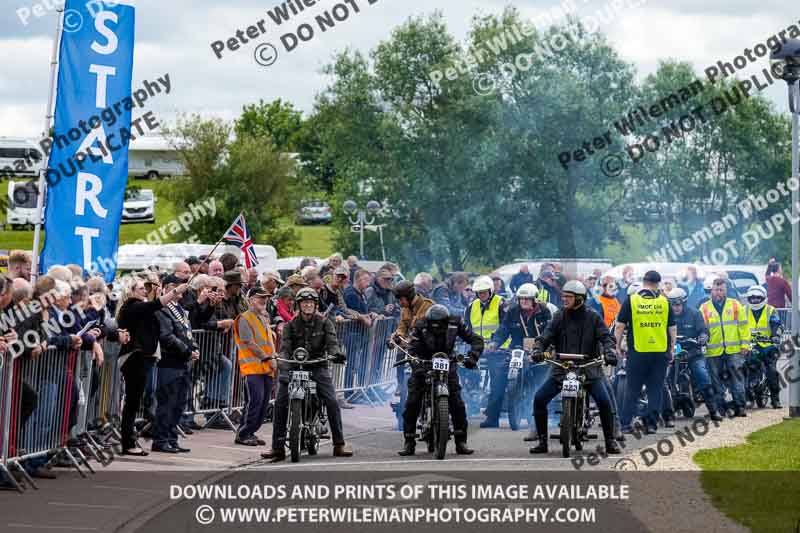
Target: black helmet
437	315
405	289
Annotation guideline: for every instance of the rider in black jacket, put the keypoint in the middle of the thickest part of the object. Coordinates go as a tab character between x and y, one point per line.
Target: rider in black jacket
317	334
577	330
438	332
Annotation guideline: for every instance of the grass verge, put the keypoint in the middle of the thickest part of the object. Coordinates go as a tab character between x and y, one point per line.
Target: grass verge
757	483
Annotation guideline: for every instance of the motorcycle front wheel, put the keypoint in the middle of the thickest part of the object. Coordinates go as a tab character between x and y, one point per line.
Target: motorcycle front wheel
567	424
295	423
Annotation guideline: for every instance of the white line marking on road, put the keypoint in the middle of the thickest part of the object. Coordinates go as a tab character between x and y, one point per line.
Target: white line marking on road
126	489
87	505
39	526
412	462
237	449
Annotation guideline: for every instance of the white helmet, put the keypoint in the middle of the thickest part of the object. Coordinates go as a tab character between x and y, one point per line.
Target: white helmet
677	295
708	282
482	283
528	290
634	287
757	293
575	287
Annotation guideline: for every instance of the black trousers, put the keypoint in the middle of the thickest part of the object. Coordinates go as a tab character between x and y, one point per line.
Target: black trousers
135	375
326	393
596	388
416	391
29	400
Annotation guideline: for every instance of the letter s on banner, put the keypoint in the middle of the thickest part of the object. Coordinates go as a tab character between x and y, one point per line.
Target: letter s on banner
98	55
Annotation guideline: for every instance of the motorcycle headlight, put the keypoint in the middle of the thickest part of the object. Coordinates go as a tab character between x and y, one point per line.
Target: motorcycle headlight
572	376
301	354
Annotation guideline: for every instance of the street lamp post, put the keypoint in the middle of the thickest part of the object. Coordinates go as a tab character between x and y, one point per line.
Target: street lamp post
788	58
360	222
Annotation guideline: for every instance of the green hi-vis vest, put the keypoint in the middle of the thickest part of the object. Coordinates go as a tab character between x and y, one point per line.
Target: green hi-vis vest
649	316
486	323
760	326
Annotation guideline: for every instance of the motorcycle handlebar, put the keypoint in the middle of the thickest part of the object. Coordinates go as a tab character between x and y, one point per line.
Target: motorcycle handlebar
296	362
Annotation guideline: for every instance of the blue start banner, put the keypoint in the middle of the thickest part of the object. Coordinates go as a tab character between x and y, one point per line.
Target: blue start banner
88	167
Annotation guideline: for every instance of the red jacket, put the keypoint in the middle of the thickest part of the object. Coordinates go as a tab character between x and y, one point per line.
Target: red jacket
285	312
778	291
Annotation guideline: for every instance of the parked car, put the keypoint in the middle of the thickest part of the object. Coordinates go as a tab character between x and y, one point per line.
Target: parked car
314	212
139	206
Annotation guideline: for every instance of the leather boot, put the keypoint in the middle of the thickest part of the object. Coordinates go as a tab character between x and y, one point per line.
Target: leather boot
409	446
715	416
541	429
612	447
776	398
461	443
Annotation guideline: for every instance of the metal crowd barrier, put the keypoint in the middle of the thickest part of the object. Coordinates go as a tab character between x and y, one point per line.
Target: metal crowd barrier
63	406
40	412
368	372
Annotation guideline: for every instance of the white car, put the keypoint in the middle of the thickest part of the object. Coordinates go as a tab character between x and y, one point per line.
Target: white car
139	206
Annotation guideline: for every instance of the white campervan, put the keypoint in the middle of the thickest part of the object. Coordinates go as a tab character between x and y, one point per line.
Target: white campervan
19	157
21	203
152	158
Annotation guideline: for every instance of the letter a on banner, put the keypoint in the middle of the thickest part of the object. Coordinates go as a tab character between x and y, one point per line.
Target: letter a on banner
86	181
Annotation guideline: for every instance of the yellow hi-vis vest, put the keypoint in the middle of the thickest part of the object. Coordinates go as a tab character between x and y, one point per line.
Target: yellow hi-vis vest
729	333
485	323
760	326
249	362
649	317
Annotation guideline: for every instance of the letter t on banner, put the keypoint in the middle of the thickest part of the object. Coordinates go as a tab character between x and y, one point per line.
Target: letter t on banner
86	180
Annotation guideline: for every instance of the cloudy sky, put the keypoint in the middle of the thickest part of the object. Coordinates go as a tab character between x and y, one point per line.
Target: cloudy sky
174	36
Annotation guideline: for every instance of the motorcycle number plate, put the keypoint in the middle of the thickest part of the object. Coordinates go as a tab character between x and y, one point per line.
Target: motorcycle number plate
516	361
441	364
570	388
302	375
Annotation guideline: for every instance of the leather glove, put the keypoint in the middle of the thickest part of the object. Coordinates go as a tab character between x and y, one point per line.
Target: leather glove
339	359
537	356
471	362
610	358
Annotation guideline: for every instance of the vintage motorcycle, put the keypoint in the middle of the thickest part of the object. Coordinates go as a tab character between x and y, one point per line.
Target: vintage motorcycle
573	399
307	415
434	417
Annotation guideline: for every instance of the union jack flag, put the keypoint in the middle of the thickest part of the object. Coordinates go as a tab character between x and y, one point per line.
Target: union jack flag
238	234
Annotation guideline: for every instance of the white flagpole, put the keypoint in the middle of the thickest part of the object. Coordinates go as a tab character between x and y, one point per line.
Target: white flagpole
48	117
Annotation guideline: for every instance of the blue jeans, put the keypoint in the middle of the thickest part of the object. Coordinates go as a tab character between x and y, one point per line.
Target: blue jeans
498	381
218	382
648	369
726	373
173	386
596	388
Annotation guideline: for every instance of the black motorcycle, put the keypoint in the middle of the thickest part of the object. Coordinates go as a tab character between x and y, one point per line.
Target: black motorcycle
573	399
755	375
307	415
434	417
683	394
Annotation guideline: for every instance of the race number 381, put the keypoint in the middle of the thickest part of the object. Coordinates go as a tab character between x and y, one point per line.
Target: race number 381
441	364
